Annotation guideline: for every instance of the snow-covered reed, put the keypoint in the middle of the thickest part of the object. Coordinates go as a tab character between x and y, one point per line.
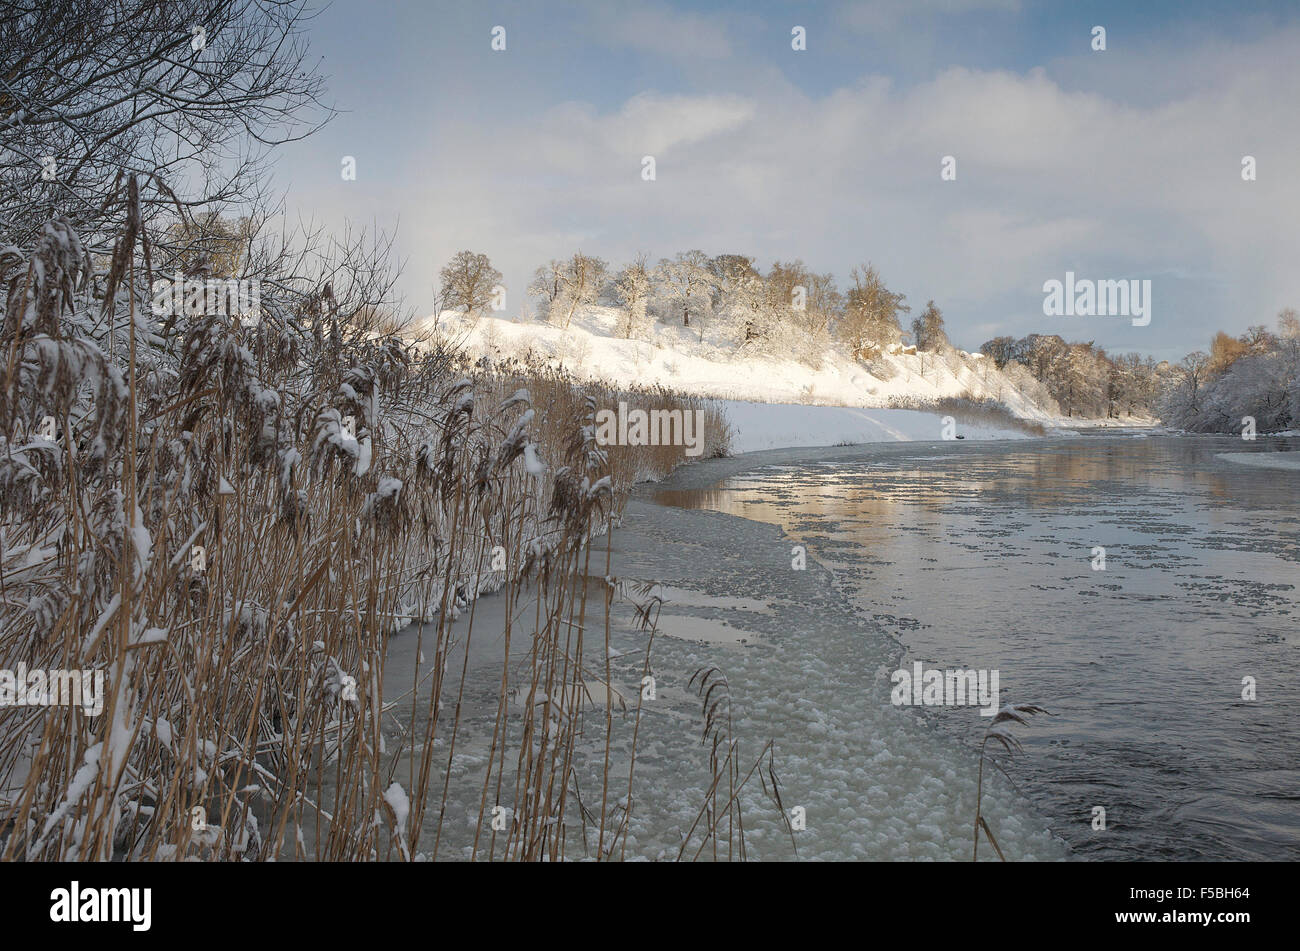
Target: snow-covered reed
232	520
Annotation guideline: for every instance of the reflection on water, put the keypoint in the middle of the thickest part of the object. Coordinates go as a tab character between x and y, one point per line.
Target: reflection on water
982	557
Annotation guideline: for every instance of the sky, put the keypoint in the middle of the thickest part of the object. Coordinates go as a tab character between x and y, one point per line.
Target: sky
1117	164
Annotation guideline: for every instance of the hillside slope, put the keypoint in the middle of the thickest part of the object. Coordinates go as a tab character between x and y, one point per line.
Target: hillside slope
675	357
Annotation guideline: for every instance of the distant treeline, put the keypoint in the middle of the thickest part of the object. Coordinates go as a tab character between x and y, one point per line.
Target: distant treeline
1082	378
1251	382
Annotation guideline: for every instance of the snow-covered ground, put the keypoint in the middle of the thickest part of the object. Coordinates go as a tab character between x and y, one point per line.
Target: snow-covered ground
591	347
757	426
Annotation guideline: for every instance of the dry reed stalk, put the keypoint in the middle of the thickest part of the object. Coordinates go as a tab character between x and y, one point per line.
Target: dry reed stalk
1011	713
246	713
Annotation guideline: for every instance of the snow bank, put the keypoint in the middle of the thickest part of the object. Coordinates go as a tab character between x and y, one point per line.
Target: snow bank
757	426
675	357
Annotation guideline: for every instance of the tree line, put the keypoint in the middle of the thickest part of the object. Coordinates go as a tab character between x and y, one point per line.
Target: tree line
789	307
1083	378
1243	384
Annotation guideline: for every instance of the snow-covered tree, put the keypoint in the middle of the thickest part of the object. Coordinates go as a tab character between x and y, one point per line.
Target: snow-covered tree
582	278
685	280
1043	355
1195	370
633	286
1133	383
1258	339
547	283
1256	375
1085	386
809	301
738	297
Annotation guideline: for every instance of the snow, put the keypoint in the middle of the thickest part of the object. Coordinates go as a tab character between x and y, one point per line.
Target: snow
154	635
76	789
142	542
521	396
676	358
105	616
1263	460
363	458
396	797
532	463
162	729
757	426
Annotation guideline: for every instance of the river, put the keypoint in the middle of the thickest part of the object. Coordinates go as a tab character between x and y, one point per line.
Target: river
987	556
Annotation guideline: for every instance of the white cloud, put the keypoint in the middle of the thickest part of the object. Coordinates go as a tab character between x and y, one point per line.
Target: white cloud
1048	179
648	123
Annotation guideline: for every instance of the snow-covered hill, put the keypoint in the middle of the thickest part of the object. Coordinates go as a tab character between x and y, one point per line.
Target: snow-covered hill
591	347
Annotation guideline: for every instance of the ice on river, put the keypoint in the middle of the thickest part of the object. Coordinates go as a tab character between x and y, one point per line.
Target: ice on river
805	669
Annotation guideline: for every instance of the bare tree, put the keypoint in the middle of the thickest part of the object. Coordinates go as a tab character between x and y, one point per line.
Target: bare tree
467	282
209	243
871	312
190	98
1195	369
1258	339
1288	324
927	329
1001	350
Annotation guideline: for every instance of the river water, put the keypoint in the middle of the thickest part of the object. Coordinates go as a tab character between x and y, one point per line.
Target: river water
985	556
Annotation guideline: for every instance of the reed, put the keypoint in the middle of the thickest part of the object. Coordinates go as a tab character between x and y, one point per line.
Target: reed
233	520
999	733
973	410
